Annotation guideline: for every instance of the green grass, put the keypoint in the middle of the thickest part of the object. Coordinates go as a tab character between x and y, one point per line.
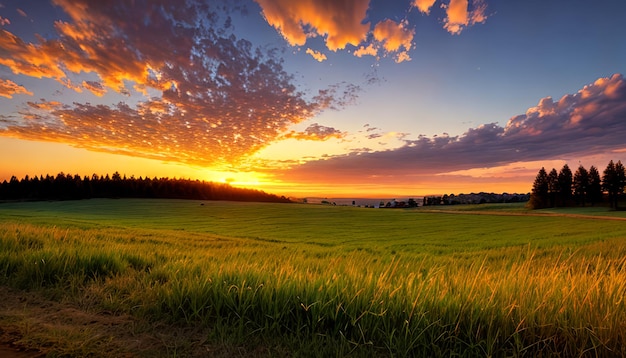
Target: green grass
332	281
492	207
587	210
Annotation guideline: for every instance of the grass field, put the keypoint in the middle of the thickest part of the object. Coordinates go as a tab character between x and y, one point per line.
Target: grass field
312	280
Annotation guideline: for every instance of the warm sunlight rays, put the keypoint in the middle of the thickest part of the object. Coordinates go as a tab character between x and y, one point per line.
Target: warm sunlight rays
243	179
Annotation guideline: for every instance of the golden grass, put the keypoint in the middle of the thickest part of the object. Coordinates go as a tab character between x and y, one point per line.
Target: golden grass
558	298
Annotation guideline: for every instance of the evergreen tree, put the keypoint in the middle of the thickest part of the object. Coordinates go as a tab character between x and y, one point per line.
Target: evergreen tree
553	187
565	185
613	181
14	188
539	195
581	185
66	186
608	178
594	188
620	181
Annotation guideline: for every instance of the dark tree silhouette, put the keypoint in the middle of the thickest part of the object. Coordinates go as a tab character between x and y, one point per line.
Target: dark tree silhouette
68	187
553	187
539	197
581	185
613	181
594	189
565	185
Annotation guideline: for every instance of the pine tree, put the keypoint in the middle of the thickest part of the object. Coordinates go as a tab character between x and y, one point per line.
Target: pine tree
613	181
565	185
539	195
620	181
594	188
581	185
553	187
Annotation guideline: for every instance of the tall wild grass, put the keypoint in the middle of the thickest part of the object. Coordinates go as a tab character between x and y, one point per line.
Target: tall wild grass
320	300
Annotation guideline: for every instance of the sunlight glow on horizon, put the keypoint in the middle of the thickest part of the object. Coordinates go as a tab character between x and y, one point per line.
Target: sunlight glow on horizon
102	164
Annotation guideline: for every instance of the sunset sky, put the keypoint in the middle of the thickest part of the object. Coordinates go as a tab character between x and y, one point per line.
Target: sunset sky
368	98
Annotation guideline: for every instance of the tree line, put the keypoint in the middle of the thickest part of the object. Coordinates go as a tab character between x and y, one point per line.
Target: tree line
475	198
552	189
73	187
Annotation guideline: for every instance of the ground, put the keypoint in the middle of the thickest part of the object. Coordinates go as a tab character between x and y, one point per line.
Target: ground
29	324
38	324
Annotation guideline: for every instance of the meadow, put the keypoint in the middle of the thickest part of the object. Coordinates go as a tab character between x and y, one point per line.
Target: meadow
311	280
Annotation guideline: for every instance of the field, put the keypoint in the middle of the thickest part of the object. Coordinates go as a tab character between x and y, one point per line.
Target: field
190	278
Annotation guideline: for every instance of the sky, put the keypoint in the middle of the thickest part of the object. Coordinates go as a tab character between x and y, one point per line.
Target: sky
367	98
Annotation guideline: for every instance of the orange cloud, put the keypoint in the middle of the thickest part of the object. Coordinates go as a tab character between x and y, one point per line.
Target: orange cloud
9	88
84	46
320	57
458	15
27	59
389	37
395	37
403	56
209	98
344	23
424	5
45	106
609	84
339	21
95	87
370	50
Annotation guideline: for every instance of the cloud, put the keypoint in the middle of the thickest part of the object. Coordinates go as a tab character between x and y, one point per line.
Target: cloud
9	88
340	22
424	5
337	96
370	50
395	38
369	128
589	122
402	56
45	105
389	37
316	132
344	23
95	87
459	16
320	57
4	21
26	59
199	94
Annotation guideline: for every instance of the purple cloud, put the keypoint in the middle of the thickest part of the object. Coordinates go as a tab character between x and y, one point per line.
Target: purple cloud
588	122
316	132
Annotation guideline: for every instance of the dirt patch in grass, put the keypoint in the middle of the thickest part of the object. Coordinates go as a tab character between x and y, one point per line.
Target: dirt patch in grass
33	326
10	347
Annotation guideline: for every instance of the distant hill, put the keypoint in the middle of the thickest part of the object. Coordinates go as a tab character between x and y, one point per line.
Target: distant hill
73	187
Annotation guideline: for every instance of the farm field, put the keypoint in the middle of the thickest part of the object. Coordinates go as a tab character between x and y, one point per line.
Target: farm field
191	278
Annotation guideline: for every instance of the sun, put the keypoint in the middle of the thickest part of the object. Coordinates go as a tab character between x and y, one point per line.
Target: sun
240	179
